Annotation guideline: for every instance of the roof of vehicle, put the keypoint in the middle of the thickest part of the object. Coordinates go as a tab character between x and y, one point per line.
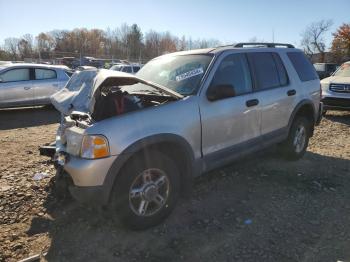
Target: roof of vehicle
323	63
5	66
239	46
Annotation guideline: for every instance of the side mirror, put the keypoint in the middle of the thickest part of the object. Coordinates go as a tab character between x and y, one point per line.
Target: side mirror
217	92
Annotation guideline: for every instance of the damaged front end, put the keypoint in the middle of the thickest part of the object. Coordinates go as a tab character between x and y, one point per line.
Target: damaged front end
94	95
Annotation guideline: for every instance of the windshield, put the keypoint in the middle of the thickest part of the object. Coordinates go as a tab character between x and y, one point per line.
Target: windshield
81	79
181	73
344	70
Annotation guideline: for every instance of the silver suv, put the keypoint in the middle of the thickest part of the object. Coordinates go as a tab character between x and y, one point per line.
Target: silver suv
30	84
135	142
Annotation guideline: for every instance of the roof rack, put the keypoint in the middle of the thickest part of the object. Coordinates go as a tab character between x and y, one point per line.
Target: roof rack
273	45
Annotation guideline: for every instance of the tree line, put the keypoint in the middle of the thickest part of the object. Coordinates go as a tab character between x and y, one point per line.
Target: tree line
125	42
129	42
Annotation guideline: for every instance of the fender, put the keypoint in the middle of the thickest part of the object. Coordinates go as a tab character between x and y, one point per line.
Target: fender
143	144
296	109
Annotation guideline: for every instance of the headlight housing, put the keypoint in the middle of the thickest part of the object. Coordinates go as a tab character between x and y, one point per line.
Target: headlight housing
94	146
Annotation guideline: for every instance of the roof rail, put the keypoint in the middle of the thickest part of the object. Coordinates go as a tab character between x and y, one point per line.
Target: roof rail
273	45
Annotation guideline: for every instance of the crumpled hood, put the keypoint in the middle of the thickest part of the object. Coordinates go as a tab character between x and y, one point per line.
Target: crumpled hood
80	92
336	79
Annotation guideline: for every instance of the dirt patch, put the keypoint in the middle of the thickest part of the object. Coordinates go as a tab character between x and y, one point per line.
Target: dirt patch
260	209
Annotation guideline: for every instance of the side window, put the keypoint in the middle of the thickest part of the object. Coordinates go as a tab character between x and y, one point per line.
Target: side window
282	73
265	70
303	66
136	69
127	69
13	75
234	71
41	74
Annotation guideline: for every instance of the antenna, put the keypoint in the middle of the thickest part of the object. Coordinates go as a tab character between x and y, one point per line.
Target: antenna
273	35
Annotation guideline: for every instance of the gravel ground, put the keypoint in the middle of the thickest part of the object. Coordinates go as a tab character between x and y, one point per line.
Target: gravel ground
260	209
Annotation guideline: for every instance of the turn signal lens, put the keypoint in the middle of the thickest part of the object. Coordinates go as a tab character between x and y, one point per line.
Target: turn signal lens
94	146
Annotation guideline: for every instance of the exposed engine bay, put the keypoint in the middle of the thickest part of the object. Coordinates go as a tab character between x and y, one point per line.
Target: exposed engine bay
113	101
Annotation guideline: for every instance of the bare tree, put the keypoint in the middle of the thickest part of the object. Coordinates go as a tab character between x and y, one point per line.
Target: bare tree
313	40
11	46
25	46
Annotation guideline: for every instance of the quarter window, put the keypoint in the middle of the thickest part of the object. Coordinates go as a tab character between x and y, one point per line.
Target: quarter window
41	74
21	74
234	71
303	66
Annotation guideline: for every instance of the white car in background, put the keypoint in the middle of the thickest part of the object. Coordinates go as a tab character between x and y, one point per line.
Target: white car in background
132	69
336	89
30	84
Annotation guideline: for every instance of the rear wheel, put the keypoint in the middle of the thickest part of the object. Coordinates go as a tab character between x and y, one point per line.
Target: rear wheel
296	144
147	190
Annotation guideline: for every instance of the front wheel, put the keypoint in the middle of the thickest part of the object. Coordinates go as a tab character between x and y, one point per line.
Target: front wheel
147	190
296	144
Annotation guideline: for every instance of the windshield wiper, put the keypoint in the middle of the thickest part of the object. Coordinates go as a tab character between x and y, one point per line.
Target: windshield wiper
164	89
151	92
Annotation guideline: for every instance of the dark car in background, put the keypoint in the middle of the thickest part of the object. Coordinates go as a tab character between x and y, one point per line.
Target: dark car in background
325	69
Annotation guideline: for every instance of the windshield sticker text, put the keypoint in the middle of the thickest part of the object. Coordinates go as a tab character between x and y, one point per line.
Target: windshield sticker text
189	74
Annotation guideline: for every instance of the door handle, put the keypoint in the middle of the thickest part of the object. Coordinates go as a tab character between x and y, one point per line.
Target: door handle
26	87
291	92
252	102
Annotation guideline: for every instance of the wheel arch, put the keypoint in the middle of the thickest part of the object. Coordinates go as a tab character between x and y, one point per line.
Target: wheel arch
304	108
174	146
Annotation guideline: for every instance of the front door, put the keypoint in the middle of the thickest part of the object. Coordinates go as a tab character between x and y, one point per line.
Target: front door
230	125
16	88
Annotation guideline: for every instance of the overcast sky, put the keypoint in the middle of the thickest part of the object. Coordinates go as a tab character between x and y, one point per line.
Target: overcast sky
225	20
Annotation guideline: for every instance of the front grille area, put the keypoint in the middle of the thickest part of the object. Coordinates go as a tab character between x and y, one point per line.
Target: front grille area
340	88
336	102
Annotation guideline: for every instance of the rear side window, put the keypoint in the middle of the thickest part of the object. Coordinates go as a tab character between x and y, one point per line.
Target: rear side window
268	69
303	66
41	74
21	74
136	69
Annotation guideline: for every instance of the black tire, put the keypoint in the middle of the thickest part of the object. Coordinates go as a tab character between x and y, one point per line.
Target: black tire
61	185
123	204
291	149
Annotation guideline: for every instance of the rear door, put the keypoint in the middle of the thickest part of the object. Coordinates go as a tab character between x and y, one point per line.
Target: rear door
276	95
230	124
45	84
16	88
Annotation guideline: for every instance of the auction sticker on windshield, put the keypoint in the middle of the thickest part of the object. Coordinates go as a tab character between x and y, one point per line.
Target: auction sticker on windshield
189	74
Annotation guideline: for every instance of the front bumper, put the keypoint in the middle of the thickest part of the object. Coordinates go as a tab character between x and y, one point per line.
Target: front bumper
87	177
94	196
86	172
336	103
